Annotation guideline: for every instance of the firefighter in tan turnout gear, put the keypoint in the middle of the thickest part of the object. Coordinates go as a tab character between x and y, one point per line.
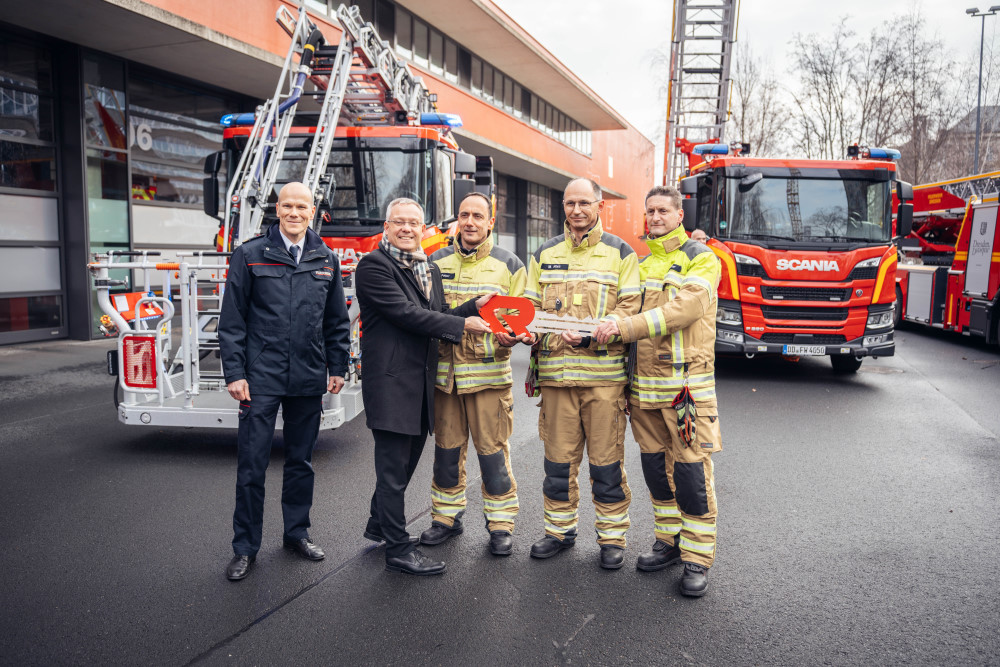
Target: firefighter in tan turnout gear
583	273
473	386
675	350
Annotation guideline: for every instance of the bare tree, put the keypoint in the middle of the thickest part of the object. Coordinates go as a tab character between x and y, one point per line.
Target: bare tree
822	117
759	116
875	95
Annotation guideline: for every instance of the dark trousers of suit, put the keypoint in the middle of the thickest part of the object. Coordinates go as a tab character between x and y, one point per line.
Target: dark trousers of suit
301	415
396	457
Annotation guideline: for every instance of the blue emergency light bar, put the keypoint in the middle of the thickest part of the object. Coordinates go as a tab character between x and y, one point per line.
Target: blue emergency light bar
235	119
884	153
447	119
711	149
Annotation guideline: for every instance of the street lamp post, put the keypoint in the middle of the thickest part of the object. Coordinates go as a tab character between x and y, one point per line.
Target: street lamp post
974	12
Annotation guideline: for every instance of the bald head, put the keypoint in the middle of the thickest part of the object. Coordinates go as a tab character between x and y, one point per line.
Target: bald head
295	187
295	210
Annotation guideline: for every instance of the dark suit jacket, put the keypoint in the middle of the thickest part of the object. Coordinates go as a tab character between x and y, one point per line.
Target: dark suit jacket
399	328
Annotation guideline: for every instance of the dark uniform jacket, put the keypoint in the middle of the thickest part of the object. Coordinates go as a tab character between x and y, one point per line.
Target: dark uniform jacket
284	327
398	347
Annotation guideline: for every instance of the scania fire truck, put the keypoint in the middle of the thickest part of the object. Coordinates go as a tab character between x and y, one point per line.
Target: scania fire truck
808	263
949	274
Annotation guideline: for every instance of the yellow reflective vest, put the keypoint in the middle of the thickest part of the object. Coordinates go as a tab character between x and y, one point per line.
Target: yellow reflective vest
596	278
478	361
676	328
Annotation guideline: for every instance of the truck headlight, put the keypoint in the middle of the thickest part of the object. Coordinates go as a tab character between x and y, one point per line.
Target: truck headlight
876	340
880	320
868	263
730	317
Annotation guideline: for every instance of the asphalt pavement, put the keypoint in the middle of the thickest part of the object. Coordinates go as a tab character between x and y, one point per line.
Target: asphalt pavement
858	525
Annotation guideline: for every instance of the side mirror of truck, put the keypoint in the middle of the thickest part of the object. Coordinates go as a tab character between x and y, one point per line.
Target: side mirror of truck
904	219
465	164
460	188
904	191
690	208
210	185
689	185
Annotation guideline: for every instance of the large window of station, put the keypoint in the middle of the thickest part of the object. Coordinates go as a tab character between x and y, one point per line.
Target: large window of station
31	300
429	48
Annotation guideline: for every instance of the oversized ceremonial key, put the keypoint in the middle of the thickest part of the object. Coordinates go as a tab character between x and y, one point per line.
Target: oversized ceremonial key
526	318
549	323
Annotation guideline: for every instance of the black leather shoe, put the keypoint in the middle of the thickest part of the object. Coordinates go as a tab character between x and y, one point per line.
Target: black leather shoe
375	536
438	532
305	548
501	543
612	557
694	583
660	557
239	567
414	563
549	546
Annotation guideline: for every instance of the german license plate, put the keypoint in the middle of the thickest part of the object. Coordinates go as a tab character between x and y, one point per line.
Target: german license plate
805	350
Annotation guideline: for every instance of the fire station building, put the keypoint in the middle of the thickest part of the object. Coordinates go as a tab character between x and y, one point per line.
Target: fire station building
108	109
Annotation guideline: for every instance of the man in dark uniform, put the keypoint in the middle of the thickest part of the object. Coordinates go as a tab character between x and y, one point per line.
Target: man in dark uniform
403	311
284	334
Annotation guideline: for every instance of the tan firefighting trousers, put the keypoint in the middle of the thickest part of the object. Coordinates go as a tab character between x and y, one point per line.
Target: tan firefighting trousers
487	416
680	478
570	417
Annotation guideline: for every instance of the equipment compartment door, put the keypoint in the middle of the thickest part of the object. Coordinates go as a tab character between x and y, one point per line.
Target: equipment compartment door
981	243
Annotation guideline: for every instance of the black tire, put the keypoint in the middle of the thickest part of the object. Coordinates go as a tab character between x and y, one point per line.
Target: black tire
897	313
845	363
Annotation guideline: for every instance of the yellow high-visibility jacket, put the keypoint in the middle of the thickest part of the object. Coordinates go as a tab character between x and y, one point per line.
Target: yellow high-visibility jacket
596	278
478	361
676	328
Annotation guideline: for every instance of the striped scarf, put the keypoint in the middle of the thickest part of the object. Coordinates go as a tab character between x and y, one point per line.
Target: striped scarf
414	261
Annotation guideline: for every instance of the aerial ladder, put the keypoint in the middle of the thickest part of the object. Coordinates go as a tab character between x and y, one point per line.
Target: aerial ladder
360	81
701	53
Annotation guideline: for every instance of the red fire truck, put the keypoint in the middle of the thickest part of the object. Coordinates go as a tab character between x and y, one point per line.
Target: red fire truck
949	274
808	263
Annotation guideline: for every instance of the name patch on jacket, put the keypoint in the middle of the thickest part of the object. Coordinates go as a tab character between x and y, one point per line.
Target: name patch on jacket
323	274
676	267
555	267
447	275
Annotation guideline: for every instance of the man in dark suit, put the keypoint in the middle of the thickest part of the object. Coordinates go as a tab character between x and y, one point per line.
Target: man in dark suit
284	334
402	313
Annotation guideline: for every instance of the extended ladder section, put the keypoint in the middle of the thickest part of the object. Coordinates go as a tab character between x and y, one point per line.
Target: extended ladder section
702	39
986	185
359	82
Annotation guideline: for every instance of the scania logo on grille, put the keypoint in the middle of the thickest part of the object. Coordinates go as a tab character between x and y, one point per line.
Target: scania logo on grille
808	265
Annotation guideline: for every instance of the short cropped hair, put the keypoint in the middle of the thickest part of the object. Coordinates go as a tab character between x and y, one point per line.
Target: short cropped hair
489	204
399	201
598	193
668	191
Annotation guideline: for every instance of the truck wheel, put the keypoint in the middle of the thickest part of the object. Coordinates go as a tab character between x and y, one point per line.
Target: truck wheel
845	363
897	313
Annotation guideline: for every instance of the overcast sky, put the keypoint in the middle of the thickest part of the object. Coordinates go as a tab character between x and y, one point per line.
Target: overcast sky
609	43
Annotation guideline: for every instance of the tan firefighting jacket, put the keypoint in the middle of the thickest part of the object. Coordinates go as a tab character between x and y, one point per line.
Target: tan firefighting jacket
596	278
676	328
478	361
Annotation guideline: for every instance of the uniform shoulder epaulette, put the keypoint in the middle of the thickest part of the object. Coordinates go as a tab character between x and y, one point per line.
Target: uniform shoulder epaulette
442	253
552	242
693	248
618	244
511	260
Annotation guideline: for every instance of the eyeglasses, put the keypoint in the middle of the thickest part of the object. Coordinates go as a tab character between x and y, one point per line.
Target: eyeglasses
407	223
584	205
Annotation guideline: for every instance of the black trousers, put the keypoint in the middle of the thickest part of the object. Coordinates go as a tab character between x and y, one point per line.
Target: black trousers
396	457
301	415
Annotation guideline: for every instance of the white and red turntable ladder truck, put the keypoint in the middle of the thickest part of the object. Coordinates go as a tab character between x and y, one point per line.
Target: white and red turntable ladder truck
372	135
949	272
808	263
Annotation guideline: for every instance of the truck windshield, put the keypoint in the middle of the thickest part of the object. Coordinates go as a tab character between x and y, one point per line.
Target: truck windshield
367	175
770	208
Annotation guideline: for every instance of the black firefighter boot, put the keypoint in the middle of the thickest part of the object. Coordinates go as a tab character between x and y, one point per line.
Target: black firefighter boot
694	583
660	557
